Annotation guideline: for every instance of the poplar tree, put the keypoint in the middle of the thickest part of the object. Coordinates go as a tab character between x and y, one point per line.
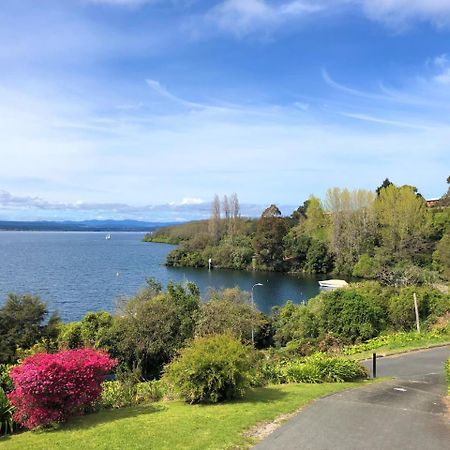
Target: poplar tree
214	221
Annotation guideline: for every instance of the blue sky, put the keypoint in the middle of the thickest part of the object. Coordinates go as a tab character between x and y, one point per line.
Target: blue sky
145	109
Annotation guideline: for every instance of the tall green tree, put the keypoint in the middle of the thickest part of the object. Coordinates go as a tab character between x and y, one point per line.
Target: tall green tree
353	228
404	222
268	241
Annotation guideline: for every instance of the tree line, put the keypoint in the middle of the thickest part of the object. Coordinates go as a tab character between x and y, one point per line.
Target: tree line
389	234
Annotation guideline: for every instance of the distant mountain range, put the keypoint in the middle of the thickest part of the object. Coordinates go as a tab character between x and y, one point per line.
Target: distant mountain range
85	225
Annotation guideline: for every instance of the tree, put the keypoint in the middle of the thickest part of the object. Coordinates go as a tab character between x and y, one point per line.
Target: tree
235	211
229	311
444	201
405	223
385	184
296	246
441	256
318	258
214	221
153	326
353	229
315	225
268	241
22	324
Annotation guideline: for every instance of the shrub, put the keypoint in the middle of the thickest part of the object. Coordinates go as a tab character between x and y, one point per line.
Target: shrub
5	379
151	391
6	414
51	387
318	368
212	369
349	313
431	304
117	394
295	322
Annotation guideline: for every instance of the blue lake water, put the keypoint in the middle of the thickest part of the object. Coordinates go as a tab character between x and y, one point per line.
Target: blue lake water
80	272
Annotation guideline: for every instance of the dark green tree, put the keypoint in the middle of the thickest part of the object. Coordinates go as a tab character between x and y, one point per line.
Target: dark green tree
385	184
23	324
268	241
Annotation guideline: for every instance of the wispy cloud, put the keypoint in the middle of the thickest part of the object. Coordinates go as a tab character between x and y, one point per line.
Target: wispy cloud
13	207
127	3
403	12
244	16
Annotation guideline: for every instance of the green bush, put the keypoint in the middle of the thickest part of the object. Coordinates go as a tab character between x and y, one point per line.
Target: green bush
119	394
318	368
5	380
350	313
431	304
212	369
295	322
6	413
151	391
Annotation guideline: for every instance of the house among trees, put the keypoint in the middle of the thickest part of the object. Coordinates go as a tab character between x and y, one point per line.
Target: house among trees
430	203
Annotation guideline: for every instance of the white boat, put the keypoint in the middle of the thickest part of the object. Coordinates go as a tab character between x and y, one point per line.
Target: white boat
333	284
108	236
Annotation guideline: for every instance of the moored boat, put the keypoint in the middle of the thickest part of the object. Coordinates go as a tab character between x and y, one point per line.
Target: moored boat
334	284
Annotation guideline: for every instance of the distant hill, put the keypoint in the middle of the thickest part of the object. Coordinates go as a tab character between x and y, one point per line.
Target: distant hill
85	225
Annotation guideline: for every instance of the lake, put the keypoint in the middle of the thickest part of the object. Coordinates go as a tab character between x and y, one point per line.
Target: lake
77	272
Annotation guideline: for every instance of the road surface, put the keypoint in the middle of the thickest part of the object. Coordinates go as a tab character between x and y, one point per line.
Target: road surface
407	413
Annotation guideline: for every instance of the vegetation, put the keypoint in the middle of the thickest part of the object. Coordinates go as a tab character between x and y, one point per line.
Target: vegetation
122	393
49	388
229	311
23	323
177	425
168	343
388	235
6	414
389	343
318	368
212	369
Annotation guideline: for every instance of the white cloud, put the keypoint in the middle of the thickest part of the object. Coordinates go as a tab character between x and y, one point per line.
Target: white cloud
244	16
444	77
127	3
188	201
402	12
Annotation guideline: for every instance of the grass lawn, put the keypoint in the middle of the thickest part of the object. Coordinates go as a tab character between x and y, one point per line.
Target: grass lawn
176	425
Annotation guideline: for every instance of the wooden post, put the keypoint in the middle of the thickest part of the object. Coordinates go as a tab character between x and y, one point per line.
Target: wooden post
374	365
416	309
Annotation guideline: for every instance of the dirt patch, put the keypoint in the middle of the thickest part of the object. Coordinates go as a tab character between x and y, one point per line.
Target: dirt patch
262	430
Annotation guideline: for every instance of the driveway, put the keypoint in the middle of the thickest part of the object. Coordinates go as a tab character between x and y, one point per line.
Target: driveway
401	414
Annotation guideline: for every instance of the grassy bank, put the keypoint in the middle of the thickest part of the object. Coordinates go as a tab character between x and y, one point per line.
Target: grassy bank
176	425
391	344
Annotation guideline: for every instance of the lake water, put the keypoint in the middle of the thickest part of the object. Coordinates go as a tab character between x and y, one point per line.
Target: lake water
80	272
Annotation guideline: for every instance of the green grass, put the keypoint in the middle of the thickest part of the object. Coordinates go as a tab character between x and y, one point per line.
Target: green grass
397	343
174	424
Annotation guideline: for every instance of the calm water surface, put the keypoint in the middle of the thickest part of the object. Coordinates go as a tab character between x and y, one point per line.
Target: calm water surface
80	272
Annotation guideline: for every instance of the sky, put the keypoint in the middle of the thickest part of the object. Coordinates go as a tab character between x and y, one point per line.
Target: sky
145	109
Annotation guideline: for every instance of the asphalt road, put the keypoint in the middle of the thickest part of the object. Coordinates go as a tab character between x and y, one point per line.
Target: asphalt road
407	413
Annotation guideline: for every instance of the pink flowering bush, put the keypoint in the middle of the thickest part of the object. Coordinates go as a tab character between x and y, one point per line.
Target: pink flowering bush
51	387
